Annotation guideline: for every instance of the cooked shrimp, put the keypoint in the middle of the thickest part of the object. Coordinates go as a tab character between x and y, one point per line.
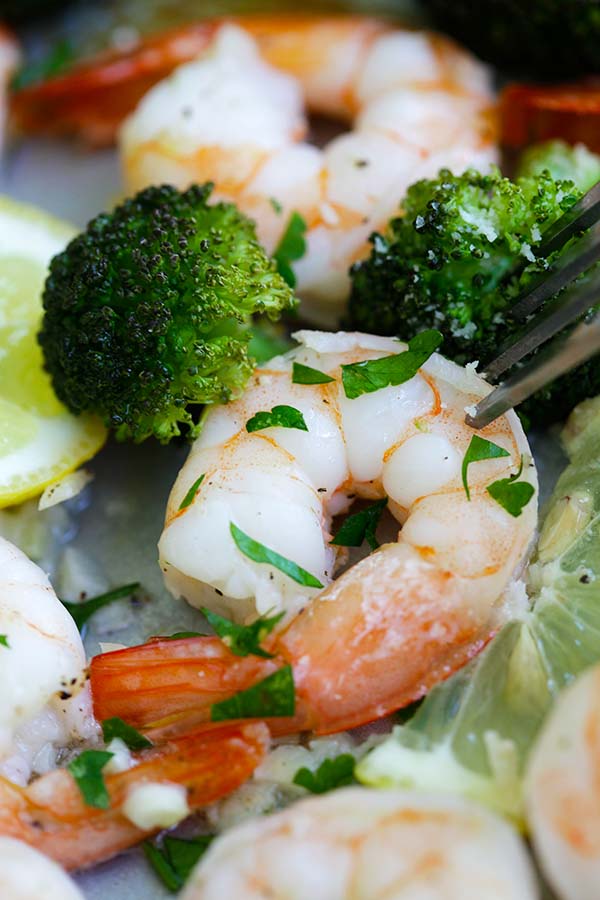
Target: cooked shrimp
51	815
562	791
46	703
417	103
391	626
360	844
26	874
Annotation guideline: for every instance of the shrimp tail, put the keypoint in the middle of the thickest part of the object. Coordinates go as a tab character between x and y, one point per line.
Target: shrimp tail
51	815
168	686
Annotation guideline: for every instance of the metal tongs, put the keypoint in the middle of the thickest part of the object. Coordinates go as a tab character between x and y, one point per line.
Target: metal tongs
554	314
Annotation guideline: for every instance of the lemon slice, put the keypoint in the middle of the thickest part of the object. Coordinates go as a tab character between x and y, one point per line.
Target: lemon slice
40	441
473	733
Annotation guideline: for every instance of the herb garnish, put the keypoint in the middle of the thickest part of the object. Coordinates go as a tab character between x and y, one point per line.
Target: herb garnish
117	728
375	374
191	494
81	612
4	641
60	58
479	449
274	696
332	773
86	769
282	416
243	639
307	375
277	207
174	860
361	526
291	247
257	552
511	494
182	634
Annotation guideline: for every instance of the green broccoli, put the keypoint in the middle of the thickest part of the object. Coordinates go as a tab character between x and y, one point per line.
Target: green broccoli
562	161
455	260
148	311
541	38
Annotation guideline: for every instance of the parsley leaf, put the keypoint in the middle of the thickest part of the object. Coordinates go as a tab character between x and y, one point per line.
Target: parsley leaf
332	773
60	57
174	860
277	207
243	639
267	342
291	247
257	552
375	374
86	769
511	494
191	494
81	612
361	526
307	375
273	696
4	641
182	634
117	728
282	416
478	450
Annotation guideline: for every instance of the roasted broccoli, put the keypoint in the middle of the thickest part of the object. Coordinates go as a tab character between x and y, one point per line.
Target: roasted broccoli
148	311
562	161
449	262
541	38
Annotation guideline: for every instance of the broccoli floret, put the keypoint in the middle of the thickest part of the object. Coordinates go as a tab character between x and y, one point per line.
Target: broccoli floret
541	37
148	311
446	263
562	161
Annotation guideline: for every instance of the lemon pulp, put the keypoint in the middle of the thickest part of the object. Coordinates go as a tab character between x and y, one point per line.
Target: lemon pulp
40	441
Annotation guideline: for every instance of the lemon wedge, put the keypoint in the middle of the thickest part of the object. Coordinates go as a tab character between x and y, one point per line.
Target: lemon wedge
40	440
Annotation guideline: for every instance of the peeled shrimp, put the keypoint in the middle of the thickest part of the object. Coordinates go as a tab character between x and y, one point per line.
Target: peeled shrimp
359	844
26	874
392	625
46	702
417	103
562	792
51	815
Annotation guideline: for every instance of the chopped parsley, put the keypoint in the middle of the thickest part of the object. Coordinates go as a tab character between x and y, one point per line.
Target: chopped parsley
512	495
243	639
277	207
479	449
179	635
282	416
375	374
191	494
291	247
274	696
174	859
81	612
117	728
361	526
332	773
4	641
257	552
86	769
58	60
307	375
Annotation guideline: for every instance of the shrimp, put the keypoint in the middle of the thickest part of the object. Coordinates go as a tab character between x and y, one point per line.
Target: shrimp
391	626
562	791
26	874
417	104
51	815
235	115
361	844
43	675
